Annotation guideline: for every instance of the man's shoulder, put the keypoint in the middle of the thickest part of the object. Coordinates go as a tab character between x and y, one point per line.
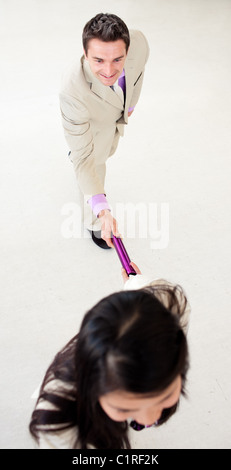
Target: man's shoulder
138	39
139	47
138	36
73	75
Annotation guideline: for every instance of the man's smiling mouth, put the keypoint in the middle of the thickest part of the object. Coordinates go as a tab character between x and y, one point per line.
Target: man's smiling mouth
110	76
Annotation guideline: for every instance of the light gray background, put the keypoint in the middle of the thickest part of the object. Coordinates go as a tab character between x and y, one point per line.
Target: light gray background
179	142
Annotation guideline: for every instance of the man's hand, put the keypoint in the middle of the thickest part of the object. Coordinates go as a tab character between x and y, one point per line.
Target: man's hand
130	112
108	226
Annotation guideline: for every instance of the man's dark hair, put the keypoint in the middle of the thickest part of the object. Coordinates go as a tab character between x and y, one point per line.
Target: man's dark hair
106	27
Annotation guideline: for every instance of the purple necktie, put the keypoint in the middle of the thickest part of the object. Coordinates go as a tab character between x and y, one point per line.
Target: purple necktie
121	81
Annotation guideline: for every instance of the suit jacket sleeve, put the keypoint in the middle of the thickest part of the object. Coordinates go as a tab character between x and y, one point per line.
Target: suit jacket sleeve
77	131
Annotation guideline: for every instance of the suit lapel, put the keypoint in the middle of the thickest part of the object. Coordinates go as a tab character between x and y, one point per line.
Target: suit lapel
104	92
128	67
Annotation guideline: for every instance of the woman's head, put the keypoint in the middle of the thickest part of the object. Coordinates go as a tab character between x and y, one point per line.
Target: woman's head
129	359
131	349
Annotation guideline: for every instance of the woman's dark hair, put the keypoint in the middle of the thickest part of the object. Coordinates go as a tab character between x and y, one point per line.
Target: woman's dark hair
128	341
106	27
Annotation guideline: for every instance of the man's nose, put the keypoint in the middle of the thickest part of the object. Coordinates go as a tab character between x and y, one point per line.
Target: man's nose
108	70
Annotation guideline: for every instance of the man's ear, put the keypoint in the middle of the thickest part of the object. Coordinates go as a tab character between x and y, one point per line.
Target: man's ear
85	54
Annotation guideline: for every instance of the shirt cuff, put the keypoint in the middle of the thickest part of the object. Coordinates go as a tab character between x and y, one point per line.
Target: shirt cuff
131	109
98	203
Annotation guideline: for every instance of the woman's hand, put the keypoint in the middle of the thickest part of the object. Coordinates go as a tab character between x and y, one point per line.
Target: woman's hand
125	275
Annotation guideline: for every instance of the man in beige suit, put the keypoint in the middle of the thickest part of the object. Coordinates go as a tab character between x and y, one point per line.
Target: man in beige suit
97	97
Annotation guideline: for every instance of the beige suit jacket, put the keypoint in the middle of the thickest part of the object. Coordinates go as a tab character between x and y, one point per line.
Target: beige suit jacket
93	116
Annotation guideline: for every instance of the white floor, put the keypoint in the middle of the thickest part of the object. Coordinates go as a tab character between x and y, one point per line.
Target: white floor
176	151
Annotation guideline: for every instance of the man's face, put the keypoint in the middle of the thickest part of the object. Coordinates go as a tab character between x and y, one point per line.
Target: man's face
106	59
